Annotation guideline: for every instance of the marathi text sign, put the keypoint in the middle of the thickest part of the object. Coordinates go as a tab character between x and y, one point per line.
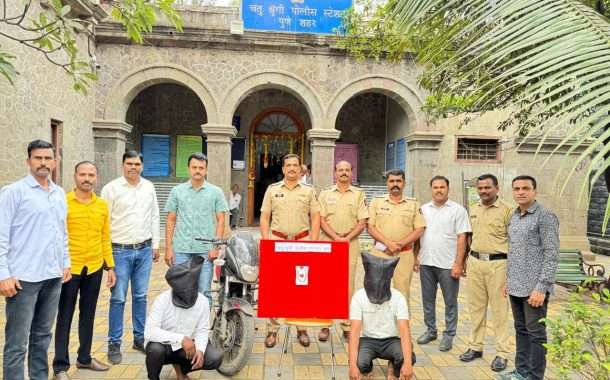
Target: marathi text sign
296	16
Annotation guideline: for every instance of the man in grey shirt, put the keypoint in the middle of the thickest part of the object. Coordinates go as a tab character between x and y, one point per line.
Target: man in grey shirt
533	254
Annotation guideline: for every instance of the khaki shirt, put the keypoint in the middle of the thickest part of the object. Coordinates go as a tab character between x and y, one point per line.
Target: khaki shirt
395	220
290	209
490	227
342	210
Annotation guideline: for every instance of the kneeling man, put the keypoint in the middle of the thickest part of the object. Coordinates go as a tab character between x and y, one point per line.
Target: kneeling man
379	323
177	328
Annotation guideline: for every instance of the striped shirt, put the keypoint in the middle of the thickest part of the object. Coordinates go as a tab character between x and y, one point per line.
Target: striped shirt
533	251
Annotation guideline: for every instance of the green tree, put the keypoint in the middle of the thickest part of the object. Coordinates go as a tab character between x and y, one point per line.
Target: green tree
53	28
545	61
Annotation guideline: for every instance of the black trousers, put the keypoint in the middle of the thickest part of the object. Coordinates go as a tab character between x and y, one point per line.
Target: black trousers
530	358
159	354
370	349
89	287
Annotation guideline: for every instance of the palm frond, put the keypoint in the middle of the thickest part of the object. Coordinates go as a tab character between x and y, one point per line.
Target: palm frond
550	56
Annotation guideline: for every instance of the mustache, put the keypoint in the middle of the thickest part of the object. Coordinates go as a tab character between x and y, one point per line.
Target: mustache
395	188
86	183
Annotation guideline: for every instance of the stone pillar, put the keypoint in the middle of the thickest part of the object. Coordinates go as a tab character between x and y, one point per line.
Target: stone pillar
219	154
422	161
322	143
110	137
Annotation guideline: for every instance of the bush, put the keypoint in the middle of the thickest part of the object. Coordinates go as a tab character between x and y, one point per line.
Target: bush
579	338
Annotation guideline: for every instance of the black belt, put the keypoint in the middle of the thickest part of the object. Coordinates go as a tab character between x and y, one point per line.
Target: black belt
489	257
141	245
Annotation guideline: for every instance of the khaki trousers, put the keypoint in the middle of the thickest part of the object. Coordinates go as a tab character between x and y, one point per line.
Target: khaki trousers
403	273
486	280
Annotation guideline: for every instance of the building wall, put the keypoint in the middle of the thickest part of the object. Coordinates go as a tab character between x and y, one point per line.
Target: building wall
41	92
514	161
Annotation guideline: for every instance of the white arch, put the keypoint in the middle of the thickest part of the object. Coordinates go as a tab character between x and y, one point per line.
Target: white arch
401	92
123	93
261	80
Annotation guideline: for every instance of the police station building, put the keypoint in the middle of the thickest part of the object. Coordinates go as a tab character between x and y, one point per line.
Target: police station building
247	85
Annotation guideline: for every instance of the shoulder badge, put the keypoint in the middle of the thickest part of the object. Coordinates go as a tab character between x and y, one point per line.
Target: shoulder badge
276	184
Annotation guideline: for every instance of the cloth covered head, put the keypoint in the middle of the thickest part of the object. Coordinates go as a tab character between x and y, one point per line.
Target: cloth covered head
184	280
378	274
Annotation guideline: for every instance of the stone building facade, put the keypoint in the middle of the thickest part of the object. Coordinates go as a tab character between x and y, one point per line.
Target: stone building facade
274	93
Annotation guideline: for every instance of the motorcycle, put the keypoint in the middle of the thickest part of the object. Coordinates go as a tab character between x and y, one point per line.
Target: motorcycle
236	270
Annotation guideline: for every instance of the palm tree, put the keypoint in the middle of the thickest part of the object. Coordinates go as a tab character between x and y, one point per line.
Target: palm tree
548	61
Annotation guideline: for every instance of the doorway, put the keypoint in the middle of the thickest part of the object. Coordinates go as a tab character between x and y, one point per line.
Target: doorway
275	132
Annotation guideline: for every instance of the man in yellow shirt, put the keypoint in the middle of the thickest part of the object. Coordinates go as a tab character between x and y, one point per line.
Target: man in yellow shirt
90	252
343	216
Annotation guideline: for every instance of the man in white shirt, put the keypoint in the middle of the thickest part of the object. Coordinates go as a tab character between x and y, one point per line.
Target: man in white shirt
234	203
177	327
379	323
305	174
134	231
441	259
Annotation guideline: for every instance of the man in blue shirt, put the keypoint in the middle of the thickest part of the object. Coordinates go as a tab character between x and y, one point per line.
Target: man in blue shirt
34	261
195	209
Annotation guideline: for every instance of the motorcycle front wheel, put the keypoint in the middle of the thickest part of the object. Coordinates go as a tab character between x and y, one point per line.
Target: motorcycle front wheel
237	345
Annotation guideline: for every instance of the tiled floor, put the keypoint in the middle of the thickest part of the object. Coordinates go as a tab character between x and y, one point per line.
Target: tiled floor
311	363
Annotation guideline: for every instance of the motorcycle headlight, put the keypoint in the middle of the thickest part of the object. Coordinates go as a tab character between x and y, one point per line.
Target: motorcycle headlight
249	273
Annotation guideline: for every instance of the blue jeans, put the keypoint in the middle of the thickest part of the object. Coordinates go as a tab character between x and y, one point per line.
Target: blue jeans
134	265
29	318
205	277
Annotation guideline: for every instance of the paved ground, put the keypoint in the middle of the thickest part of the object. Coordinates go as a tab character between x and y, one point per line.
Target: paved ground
311	363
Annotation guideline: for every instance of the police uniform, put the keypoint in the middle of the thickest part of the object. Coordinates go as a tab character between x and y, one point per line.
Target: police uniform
395	221
342	211
487	274
290	211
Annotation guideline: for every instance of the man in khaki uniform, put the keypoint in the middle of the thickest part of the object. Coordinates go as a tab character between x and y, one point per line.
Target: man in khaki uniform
487	271
396	223
289	207
343	217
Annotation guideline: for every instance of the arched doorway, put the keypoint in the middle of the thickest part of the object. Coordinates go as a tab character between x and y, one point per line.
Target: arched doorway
274	132
166	120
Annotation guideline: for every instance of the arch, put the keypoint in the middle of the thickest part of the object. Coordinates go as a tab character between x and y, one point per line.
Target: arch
262	80
401	92
123	93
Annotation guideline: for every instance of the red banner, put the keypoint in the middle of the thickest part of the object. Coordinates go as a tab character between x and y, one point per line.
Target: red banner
303	279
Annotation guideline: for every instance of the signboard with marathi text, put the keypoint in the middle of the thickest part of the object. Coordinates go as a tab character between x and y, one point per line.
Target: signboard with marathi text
294	16
155	150
303	279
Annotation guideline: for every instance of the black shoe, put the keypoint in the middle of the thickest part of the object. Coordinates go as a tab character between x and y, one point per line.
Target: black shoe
470	355
446	343
138	345
498	364
114	353
427	337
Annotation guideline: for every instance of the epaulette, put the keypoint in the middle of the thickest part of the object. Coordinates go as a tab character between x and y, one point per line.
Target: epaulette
411	198
276	184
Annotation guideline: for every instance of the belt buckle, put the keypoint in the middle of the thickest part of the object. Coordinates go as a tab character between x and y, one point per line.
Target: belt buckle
484	256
